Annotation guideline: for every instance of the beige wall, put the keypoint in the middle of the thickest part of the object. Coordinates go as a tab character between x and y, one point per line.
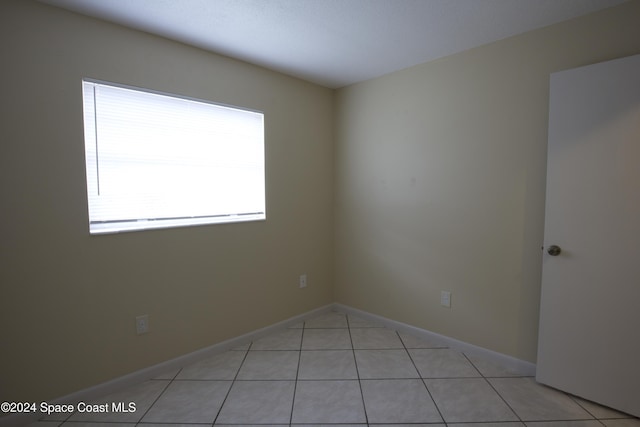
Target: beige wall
68	300
438	175
440	181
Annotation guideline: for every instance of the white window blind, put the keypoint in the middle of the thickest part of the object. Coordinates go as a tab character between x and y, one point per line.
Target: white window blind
155	160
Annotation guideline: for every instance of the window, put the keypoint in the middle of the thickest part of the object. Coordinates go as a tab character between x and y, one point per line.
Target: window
156	160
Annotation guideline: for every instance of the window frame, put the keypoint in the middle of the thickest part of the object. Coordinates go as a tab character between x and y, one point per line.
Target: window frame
257	173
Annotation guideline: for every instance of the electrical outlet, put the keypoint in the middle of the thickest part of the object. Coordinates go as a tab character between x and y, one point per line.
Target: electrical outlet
445	299
142	324
302	283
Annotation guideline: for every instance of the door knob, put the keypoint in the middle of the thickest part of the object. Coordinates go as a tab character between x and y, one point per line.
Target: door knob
554	250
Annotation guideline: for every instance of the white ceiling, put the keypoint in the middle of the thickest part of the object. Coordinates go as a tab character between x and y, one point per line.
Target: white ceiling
335	42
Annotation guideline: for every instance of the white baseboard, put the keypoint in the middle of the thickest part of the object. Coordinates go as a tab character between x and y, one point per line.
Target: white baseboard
518	365
125	381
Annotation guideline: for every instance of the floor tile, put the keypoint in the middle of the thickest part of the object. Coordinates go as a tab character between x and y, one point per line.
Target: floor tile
334	425
167	375
54	423
326	339
375	338
412	341
358	322
143	395
55	416
242	347
409	425
289	339
223	366
269	365
328	402
88	424
258	402
468	400
504	424
328	320
442	363
599	411
327	365
490	368
400	401
189	402
167	425
389	364
574	423
536	402
629	422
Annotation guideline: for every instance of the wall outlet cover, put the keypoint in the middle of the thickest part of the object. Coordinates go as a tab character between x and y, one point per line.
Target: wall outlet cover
445	299
142	324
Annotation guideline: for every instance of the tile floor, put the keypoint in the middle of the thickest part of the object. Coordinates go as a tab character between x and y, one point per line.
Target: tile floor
337	369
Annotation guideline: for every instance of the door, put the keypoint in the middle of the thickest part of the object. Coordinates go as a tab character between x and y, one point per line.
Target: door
589	339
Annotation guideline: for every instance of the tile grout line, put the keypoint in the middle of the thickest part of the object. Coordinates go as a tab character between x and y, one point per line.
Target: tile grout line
421	379
295	383
355	361
159	396
585	409
486	378
233	381
494	389
472	364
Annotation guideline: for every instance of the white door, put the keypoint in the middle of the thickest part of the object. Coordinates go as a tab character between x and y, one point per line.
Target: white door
589	340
